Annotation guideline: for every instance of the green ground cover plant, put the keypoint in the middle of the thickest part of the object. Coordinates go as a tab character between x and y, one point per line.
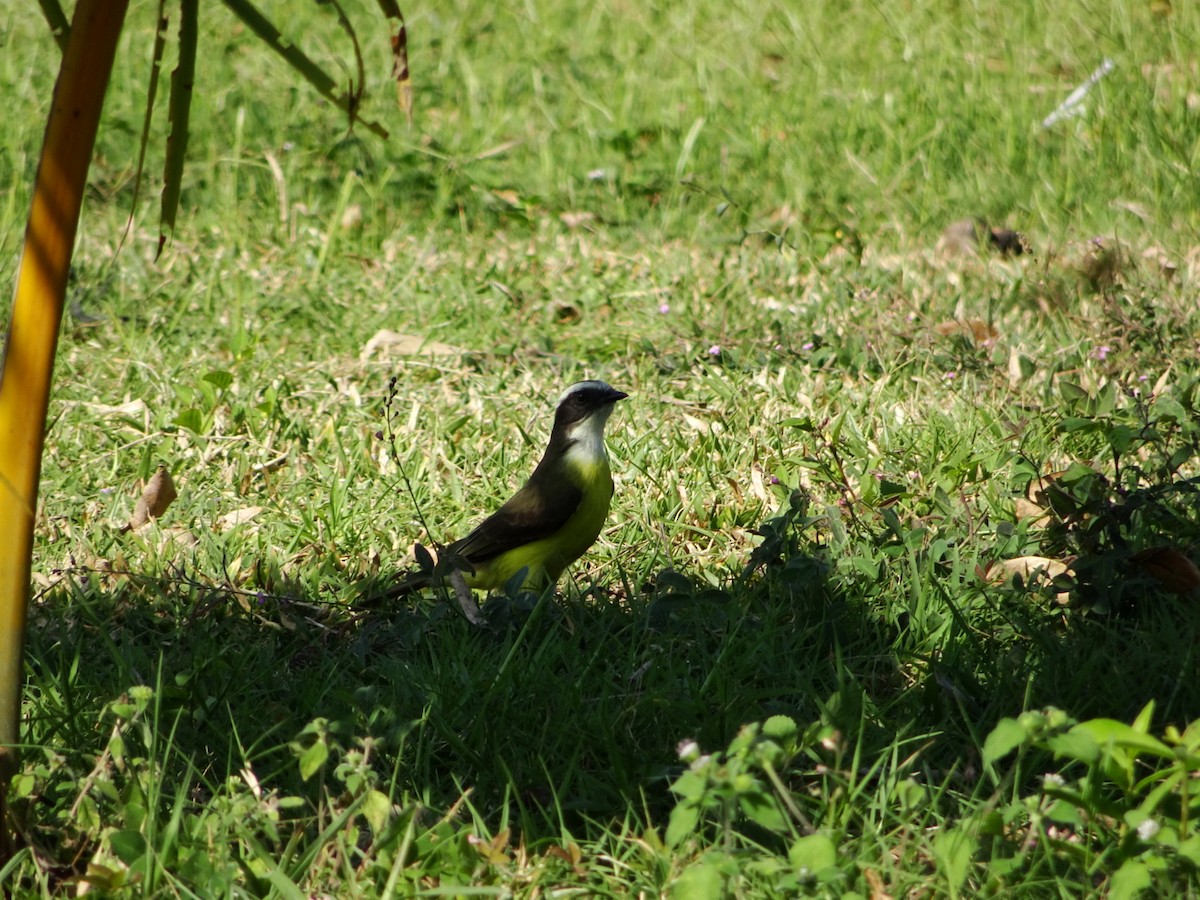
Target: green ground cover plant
897	595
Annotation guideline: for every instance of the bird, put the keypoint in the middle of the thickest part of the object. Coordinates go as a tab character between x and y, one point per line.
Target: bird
558	513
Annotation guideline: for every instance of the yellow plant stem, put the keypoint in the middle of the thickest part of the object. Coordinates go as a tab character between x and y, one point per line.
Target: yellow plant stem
33	331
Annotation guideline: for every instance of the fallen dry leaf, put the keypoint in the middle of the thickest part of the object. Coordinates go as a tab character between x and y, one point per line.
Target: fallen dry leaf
1027	509
576	219
157	496
1031	570
512	198
131	408
237	517
1027	567
1170	568
352	216
977	330
407	345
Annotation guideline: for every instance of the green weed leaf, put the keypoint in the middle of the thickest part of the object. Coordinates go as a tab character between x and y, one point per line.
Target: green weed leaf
682	824
814	852
312	759
1129	880
761	808
954	849
700	881
127	846
1007	736
220	380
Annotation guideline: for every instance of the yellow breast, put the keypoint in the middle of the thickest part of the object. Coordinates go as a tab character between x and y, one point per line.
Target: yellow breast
546	559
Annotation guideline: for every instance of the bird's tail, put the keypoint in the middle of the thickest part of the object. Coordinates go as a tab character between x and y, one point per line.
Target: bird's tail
429	572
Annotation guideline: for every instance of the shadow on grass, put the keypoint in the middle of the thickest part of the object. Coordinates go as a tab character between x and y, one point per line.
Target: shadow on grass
568	713
562	713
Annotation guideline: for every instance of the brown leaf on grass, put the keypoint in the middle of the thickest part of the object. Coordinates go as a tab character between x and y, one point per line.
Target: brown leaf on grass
352	216
571	855
130	408
237	517
1043	490
466	600
576	219
1027	509
875	883
1027	567
157	496
1170	568
977	330
1157	257
404	92
1032	570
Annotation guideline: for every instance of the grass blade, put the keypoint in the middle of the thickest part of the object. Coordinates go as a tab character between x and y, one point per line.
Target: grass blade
156	59
299	60
183	82
57	20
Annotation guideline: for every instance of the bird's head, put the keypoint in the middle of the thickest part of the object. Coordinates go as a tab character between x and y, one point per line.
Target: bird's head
583	409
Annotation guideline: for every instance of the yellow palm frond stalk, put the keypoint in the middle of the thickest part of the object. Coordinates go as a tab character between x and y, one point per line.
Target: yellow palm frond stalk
33	331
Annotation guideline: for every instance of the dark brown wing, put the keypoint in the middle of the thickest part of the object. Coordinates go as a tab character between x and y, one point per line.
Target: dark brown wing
531	514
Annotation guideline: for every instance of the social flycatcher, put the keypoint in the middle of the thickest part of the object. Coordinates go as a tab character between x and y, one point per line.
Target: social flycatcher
558	514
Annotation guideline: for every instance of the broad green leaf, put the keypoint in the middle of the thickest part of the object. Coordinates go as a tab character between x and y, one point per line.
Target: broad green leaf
682	824
781	728
1003	739
760	807
1077	745
1142	722
127	846
1190	850
1121	438
700	881
1128	881
312	759
953	849
377	809
1111	731
1169	408
191	419
1072	392
813	852
689	786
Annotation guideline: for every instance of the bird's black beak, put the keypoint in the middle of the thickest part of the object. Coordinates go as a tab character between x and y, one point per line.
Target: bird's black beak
615	395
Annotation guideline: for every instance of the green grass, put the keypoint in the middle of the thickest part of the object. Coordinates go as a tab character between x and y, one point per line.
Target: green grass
730	211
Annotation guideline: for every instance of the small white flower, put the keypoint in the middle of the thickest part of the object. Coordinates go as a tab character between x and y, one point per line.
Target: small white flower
1148	829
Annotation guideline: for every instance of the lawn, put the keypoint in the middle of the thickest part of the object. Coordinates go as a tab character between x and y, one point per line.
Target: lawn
897	594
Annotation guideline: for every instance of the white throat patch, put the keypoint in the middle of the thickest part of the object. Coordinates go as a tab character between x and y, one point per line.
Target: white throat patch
587	437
